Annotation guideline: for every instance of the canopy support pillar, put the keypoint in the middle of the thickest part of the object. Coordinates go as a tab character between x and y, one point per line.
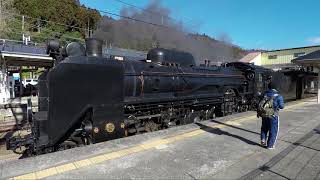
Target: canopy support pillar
319	86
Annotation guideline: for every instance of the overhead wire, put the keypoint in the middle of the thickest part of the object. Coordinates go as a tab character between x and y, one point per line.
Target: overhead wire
36	34
104	12
149	11
28	26
130	18
43	20
142	9
101	11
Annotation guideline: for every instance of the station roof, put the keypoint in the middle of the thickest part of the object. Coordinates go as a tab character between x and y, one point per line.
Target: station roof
304	47
17	46
26	59
15	53
249	57
312	58
18	54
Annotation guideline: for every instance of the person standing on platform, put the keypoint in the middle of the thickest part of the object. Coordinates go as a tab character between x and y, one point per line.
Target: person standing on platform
268	109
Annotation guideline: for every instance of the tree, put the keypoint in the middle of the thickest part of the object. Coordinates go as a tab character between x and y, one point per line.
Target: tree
62	19
6	7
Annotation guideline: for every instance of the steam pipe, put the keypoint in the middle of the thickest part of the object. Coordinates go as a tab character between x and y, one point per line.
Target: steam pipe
93	47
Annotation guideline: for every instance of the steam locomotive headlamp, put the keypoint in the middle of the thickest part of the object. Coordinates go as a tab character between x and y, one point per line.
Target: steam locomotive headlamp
110	127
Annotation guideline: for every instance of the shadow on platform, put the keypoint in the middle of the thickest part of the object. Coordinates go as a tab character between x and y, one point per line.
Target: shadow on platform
218	131
218	122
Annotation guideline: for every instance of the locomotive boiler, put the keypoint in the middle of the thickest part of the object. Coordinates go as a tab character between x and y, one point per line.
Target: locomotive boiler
86	98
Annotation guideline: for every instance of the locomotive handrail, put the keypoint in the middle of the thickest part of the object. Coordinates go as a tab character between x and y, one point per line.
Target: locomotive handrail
150	73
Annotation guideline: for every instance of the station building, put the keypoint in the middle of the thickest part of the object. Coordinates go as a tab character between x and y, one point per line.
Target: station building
311	60
286	60
280	58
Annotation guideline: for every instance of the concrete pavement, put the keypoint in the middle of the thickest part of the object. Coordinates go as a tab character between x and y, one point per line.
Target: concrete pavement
224	148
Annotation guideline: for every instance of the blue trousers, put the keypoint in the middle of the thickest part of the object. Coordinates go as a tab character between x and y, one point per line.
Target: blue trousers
271	126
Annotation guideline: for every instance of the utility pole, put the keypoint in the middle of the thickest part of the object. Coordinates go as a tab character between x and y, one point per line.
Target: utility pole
38	24
22	29
22	26
162	19
88	24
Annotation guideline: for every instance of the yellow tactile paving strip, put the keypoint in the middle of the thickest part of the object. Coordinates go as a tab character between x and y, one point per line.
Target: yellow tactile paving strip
139	148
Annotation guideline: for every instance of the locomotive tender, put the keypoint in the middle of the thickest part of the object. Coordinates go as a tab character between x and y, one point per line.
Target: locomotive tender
86	98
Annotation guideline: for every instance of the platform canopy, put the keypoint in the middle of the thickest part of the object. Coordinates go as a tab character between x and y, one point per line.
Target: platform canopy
311	59
25	59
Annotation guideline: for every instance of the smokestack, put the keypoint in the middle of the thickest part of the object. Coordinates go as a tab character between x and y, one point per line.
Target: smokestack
94	47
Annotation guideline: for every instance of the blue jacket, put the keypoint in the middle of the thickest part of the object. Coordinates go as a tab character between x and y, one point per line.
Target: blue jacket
278	102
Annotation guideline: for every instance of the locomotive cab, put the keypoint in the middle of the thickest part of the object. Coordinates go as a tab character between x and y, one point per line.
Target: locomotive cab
257	77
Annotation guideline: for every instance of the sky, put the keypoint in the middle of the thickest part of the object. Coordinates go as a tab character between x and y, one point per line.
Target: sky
251	24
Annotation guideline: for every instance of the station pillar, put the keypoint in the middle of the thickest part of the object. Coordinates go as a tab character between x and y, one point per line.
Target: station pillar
319	86
4	84
20	85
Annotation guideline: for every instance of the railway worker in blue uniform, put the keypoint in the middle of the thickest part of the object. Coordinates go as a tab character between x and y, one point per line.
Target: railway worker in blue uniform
268	109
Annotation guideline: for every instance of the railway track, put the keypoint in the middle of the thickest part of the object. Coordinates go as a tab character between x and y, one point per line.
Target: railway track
7	155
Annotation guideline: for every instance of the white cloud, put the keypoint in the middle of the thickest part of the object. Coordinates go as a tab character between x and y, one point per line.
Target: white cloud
314	40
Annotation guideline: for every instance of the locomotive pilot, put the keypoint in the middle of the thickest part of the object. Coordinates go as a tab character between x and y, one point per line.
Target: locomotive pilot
268	109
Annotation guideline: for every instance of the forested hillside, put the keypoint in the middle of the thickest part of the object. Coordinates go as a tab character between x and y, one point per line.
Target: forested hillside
169	33
68	20
63	19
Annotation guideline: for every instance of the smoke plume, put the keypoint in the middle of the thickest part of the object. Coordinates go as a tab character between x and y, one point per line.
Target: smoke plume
171	34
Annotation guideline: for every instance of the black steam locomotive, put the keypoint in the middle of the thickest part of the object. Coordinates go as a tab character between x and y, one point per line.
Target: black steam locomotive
86	98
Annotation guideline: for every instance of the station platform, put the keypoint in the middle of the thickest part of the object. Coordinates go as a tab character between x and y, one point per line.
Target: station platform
223	148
